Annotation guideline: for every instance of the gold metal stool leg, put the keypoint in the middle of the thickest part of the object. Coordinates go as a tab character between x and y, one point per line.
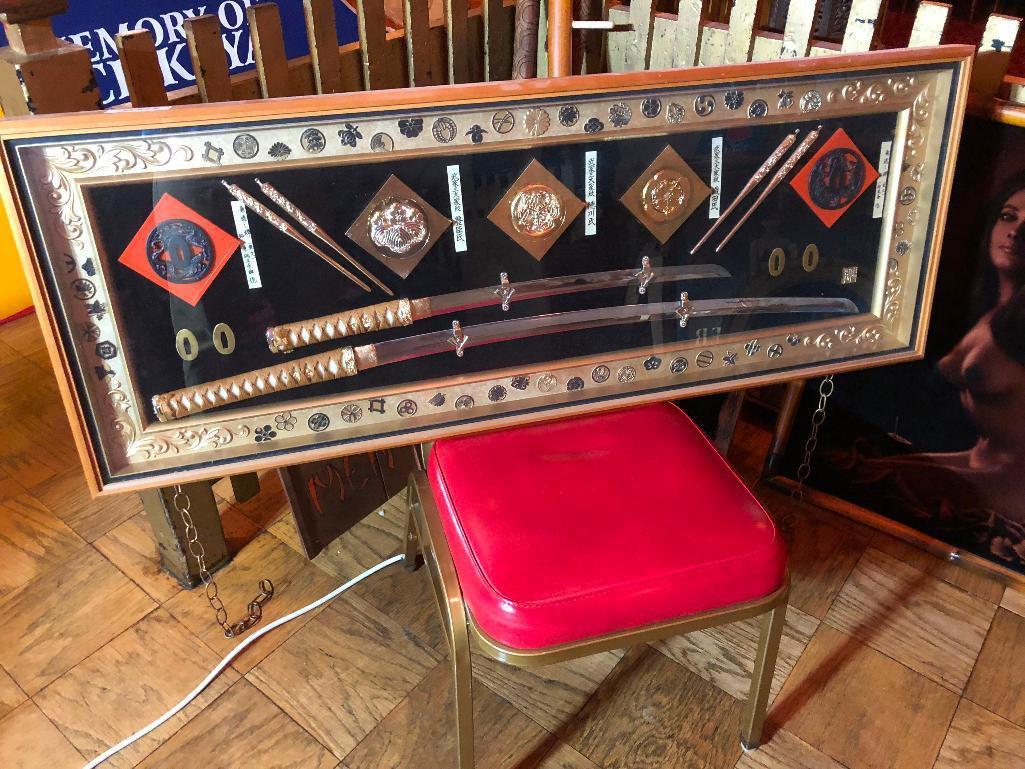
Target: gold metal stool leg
463	674
411	543
761	678
423	532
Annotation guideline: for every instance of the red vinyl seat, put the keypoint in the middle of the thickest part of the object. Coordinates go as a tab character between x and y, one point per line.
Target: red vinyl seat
569	530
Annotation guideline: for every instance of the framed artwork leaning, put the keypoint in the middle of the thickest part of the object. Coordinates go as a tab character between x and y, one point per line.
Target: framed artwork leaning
936	447
227	287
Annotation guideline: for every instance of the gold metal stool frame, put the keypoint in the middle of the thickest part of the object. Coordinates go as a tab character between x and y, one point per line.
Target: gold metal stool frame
425	534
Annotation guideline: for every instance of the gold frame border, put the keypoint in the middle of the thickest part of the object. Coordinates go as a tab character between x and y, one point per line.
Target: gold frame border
192	435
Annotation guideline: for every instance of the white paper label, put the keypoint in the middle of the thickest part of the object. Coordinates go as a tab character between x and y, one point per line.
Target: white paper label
246	236
716	180
884	170
591	192
455	196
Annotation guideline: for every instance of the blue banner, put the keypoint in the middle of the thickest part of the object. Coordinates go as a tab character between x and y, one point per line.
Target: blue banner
96	23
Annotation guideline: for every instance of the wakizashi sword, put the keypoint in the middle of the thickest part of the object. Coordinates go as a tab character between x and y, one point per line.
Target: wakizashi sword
350	361
405	312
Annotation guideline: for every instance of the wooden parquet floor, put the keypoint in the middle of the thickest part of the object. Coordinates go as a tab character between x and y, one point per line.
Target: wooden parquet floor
890	658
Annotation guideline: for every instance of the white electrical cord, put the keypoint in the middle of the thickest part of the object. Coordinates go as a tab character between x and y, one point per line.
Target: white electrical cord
232	655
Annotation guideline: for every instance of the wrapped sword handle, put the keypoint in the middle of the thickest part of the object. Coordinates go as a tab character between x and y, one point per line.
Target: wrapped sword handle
363	320
347	361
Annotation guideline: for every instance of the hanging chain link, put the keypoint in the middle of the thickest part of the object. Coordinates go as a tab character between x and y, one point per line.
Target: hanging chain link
183	506
826	387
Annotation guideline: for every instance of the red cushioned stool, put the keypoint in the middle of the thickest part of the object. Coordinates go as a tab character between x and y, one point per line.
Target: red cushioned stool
563	539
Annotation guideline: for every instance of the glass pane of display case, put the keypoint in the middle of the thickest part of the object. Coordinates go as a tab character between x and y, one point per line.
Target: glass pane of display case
323	275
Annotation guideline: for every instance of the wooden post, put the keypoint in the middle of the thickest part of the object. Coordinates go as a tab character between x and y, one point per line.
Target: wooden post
417	25
169	530
323	40
269	50
213	79
39	73
525	39
138	54
560	38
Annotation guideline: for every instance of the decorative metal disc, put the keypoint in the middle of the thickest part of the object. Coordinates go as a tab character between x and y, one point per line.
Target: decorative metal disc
537	210
398	226
179	251
246	146
665	195
836	179
444	130
313	140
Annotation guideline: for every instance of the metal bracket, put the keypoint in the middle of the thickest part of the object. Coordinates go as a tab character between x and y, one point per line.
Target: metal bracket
459	339
505	291
645	275
685	310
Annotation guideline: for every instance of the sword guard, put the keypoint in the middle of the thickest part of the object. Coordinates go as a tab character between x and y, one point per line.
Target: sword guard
684	311
505	291
459	338
644	275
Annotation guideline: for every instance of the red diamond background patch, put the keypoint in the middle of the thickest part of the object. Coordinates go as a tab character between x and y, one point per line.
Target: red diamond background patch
834	178
179	250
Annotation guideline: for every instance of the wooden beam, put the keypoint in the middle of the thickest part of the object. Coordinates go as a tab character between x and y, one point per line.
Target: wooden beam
930	21
456	40
417	29
143	77
370	20
797	32
525	36
498	41
560	39
642	19
861	26
323	42
209	61
994	54
713	44
269	50
740	34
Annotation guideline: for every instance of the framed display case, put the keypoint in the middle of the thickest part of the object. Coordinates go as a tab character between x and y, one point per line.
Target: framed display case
226	287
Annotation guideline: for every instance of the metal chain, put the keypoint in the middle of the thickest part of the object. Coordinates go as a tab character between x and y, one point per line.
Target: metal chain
183	506
826	387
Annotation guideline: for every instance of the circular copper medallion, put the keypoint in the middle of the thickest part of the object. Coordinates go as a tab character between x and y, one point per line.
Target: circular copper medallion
665	195
398	227
537	211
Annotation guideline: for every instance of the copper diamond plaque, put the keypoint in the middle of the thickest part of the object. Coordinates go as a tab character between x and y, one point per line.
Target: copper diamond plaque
398	227
665	195
536	210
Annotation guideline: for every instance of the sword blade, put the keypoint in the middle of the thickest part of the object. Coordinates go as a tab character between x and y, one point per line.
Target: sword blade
570	284
435	342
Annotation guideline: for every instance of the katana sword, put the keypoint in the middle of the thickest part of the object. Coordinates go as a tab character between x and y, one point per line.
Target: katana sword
405	312
350	361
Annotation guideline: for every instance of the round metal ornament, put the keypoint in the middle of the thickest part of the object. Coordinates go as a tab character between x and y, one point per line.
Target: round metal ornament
245	146
179	251
665	195
536	211
836	179
398	227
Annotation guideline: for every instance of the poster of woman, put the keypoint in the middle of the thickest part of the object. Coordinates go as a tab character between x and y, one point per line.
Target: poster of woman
939	445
